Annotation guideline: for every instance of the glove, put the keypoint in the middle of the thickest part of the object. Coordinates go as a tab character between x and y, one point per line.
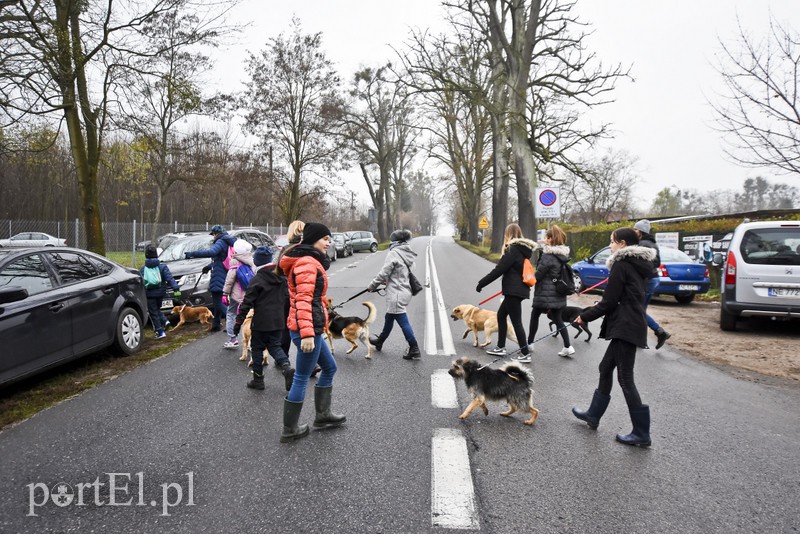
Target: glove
206	268
371	289
237	327
478	288
188	255
307	344
225	299
177	293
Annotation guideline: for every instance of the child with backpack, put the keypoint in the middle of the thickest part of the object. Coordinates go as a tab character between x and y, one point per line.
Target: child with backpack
241	270
157	277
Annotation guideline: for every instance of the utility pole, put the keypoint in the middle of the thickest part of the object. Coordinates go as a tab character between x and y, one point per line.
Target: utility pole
352	206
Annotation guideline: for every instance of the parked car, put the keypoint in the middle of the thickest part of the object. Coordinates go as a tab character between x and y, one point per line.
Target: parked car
282	241
188	273
679	275
162	242
342	243
363	241
33	239
761	273
57	304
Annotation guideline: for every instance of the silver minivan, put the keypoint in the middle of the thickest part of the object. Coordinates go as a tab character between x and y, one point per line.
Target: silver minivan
761	274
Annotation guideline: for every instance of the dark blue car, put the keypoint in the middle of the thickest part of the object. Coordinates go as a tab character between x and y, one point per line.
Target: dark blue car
679	276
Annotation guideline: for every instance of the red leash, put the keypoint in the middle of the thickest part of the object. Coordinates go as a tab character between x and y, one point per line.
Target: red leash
495	295
601	282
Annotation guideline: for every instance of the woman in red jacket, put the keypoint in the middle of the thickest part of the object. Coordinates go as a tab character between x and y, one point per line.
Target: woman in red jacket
305	265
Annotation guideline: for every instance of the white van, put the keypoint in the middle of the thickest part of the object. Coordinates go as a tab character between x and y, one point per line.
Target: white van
761	274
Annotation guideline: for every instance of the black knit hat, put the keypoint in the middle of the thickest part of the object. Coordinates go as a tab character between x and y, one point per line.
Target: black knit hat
400	235
313	232
262	256
150	251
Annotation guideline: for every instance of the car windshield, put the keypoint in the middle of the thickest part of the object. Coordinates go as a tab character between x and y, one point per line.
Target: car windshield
771	246
176	250
673	255
339	238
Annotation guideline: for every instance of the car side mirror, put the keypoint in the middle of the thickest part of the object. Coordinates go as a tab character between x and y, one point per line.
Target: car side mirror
12	294
588	260
717	260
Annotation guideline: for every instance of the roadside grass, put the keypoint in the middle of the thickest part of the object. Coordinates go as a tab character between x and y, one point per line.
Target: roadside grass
27	398
384	245
127	258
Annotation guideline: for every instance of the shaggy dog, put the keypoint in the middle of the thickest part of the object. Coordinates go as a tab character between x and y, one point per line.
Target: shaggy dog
191	314
350	328
510	383
568	316
479	319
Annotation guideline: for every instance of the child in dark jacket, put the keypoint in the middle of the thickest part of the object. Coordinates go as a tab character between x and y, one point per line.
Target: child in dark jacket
266	296
156	294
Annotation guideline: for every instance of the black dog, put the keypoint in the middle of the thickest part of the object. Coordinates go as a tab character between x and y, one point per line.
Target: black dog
568	315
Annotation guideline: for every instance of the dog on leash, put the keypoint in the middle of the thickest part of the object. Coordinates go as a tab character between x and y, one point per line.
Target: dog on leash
510	383
350	328
192	314
478	319
247	333
568	316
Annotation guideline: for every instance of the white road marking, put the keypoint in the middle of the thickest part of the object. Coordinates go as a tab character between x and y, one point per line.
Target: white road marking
452	492
443	390
448	348
430	325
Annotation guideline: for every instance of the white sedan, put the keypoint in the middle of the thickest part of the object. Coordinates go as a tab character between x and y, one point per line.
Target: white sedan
33	239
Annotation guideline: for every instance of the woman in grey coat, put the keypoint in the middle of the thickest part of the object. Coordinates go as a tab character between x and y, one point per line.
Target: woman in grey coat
545	297
395	274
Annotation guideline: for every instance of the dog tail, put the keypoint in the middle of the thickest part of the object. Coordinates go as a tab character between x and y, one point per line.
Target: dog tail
372	312
518	373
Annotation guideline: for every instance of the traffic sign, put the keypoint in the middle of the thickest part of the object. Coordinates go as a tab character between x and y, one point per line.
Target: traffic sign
484	222
548	202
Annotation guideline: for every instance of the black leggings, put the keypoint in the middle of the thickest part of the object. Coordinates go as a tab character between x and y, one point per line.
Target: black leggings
511	308
622	355
554	314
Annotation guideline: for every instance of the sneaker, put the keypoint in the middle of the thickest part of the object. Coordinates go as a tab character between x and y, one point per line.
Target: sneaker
567	351
160	335
522	358
497	351
232	344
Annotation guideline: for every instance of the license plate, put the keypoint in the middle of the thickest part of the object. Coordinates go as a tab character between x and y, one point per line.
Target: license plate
784	292
688	287
167	303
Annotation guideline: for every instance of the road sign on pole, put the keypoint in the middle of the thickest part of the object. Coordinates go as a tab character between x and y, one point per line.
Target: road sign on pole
483	223
548	202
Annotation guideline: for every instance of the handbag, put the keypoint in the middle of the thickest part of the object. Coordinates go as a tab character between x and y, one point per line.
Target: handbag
413	281
528	273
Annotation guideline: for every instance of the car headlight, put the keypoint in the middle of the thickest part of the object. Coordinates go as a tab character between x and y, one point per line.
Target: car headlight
188	281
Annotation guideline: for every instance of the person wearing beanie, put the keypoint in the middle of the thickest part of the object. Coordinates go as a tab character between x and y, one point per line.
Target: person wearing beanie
642	229
268	296
241	269
157	277
305	266
624	324
395	273
218	252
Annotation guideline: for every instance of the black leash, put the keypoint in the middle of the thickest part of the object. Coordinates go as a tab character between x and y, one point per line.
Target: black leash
549	334
378	291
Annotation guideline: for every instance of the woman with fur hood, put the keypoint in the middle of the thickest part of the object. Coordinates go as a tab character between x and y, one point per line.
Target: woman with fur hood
395	274
233	290
516	249
545	297
622	309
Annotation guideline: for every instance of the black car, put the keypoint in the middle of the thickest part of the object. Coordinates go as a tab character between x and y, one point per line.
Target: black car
189	273
342	244
60	303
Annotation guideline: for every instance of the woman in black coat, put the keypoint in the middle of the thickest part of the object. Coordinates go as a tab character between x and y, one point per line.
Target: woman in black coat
516	249
622	309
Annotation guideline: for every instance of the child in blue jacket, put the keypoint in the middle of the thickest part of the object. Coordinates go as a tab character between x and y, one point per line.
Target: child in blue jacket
156	293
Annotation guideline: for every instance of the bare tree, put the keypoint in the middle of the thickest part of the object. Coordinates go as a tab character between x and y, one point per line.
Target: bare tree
760	114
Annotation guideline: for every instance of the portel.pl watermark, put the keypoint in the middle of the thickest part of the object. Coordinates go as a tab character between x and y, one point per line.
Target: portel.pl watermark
112	489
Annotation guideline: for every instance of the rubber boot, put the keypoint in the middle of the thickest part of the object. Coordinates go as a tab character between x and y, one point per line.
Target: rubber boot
662	336
640	435
288	378
322	402
412	352
257	382
596	410
376	341
291	429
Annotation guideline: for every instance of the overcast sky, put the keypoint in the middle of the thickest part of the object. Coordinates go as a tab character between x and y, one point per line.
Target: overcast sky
662	117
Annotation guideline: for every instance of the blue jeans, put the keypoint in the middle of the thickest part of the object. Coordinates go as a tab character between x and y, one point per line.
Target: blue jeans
230	316
270	340
405	326
306	361
154	311
218	309
649	289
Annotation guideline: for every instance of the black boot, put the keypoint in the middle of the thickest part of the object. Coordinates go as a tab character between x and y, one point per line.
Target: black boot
596	410
413	352
322	402
291	414
640	435
288	378
376	341
662	336
257	382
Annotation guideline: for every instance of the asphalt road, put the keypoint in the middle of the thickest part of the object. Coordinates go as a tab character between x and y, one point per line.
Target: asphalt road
194	450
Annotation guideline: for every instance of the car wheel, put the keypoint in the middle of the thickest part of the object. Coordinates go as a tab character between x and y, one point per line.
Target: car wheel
684	299
578	282
727	321
373	247
129	331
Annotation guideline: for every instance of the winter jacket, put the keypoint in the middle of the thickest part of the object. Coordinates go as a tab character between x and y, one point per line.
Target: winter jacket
395	274
232	288
622	306
647	241
304	267
166	279
548	267
218	252
267	295
510	268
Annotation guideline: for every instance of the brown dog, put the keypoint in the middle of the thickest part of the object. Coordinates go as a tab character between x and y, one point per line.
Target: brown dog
479	319
350	328
191	314
247	333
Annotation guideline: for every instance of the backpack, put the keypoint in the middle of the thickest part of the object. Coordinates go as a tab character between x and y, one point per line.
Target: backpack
565	283
244	273
152	277
528	273
227	261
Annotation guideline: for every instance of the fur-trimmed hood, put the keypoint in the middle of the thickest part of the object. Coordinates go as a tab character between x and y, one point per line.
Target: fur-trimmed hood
632	252
524	241
556	250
